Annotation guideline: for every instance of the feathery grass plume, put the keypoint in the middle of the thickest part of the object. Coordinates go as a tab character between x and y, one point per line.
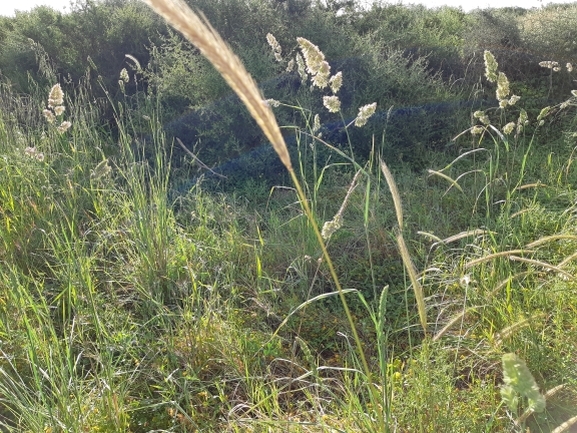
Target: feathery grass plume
502	87
64	126
336	82
330	227
317	66
574	93
135	61
518	381
332	103
549	64
49	115
365	112
569	67
316	124
56	96
477	130
543	113
212	46
32	152
301	68
490	66
273	103
514	99
483	118
276	48
124	75
509	127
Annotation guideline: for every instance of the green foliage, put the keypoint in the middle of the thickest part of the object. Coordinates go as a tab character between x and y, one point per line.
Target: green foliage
126	308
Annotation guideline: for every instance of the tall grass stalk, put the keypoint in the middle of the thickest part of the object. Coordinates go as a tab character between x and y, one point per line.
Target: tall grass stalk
213	47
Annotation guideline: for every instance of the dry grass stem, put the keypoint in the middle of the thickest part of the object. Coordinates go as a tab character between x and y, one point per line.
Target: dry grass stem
417	288
544	265
566	425
550	239
394	191
458	318
494	256
206	39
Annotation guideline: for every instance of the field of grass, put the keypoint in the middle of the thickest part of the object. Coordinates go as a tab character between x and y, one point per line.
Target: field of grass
358	296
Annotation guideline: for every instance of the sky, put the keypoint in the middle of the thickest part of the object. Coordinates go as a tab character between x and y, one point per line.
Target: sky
8	7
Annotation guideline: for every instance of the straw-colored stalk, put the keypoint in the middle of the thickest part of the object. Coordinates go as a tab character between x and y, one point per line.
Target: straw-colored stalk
409	266
200	33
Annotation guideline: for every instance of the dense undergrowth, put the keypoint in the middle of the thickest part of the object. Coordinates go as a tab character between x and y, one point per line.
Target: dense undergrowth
133	299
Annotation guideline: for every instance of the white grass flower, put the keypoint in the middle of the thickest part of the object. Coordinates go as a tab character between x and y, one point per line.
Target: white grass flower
490	66
365	112
503	103
276	48
569	67
316	124
556	69
502	86
332	103
56	96
64	126
124	75
301	68
330	227
514	99
101	170
522	121
544	113
59	110
32	152
336	82
477	130
574	93
549	64
483	118
317	66
290	66
49	115
509	127
272	103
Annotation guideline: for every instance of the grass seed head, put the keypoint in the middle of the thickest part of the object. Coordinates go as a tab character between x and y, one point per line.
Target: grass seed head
490	66
365	112
56	96
332	103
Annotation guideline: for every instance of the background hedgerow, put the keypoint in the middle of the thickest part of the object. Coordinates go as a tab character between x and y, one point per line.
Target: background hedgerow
141	291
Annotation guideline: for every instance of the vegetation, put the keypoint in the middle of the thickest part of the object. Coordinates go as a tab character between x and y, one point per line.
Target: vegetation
412	268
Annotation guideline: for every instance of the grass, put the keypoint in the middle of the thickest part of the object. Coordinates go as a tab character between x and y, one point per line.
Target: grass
123	312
